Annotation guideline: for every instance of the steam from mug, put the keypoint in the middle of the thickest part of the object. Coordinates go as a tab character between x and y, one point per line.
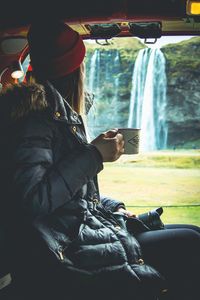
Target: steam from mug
132	140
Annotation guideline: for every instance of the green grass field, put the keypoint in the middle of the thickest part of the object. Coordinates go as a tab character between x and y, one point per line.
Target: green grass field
166	178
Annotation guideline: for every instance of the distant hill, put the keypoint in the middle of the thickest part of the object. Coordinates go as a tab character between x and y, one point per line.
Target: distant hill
183	55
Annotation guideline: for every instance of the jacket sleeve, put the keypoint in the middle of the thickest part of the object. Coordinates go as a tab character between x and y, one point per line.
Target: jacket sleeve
42	185
111	204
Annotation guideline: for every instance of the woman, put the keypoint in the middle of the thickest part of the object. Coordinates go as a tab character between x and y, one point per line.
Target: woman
52	191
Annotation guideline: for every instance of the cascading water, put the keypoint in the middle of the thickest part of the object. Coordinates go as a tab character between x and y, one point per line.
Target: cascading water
93	83
148	99
103	82
93	65
114	104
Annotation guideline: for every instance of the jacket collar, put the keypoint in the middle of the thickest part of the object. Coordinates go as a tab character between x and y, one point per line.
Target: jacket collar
61	110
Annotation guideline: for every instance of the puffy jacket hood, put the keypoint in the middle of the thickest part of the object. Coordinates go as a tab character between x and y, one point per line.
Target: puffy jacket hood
18	100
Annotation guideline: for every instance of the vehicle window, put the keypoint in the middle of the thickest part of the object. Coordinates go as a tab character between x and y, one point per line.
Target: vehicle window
25	65
13	45
154	87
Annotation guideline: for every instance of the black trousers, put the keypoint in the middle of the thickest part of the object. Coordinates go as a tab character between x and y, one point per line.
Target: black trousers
175	252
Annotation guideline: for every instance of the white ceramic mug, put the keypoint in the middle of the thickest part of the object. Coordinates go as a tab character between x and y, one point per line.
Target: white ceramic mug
131	140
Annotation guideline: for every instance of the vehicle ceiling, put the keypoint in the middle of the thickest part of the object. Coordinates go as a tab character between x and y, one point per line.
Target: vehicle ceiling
86	16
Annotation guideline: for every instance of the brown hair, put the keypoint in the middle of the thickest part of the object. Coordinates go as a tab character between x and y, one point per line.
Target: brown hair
71	87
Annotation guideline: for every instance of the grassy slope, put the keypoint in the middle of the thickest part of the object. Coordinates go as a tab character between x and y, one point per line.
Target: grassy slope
178	60
162	179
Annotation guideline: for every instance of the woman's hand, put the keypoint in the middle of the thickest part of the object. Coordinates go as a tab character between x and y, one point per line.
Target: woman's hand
126	212
110	144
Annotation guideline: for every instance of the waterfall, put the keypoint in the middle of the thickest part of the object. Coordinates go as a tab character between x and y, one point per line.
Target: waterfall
92	85
95	60
115	104
148	99
103	82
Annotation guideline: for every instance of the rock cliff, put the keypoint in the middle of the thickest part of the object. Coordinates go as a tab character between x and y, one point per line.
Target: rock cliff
183	92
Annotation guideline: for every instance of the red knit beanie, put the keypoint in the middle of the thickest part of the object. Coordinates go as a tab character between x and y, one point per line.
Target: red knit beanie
55	49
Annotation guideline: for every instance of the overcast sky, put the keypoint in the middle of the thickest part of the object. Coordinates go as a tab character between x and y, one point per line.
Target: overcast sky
164	40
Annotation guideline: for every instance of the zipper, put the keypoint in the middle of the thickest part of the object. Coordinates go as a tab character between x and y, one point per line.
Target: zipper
60	253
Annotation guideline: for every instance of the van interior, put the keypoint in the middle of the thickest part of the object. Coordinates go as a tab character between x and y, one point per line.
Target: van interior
122	38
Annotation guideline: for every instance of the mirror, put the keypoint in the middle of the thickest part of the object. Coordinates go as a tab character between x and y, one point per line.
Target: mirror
13	45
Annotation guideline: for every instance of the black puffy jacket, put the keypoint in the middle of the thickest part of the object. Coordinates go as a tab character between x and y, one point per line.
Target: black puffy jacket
50	179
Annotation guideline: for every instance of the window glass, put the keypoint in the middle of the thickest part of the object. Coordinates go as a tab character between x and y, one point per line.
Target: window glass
25	65
155	87
13	45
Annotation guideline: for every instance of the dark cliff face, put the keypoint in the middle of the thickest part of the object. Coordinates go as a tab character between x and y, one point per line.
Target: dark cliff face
183	92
